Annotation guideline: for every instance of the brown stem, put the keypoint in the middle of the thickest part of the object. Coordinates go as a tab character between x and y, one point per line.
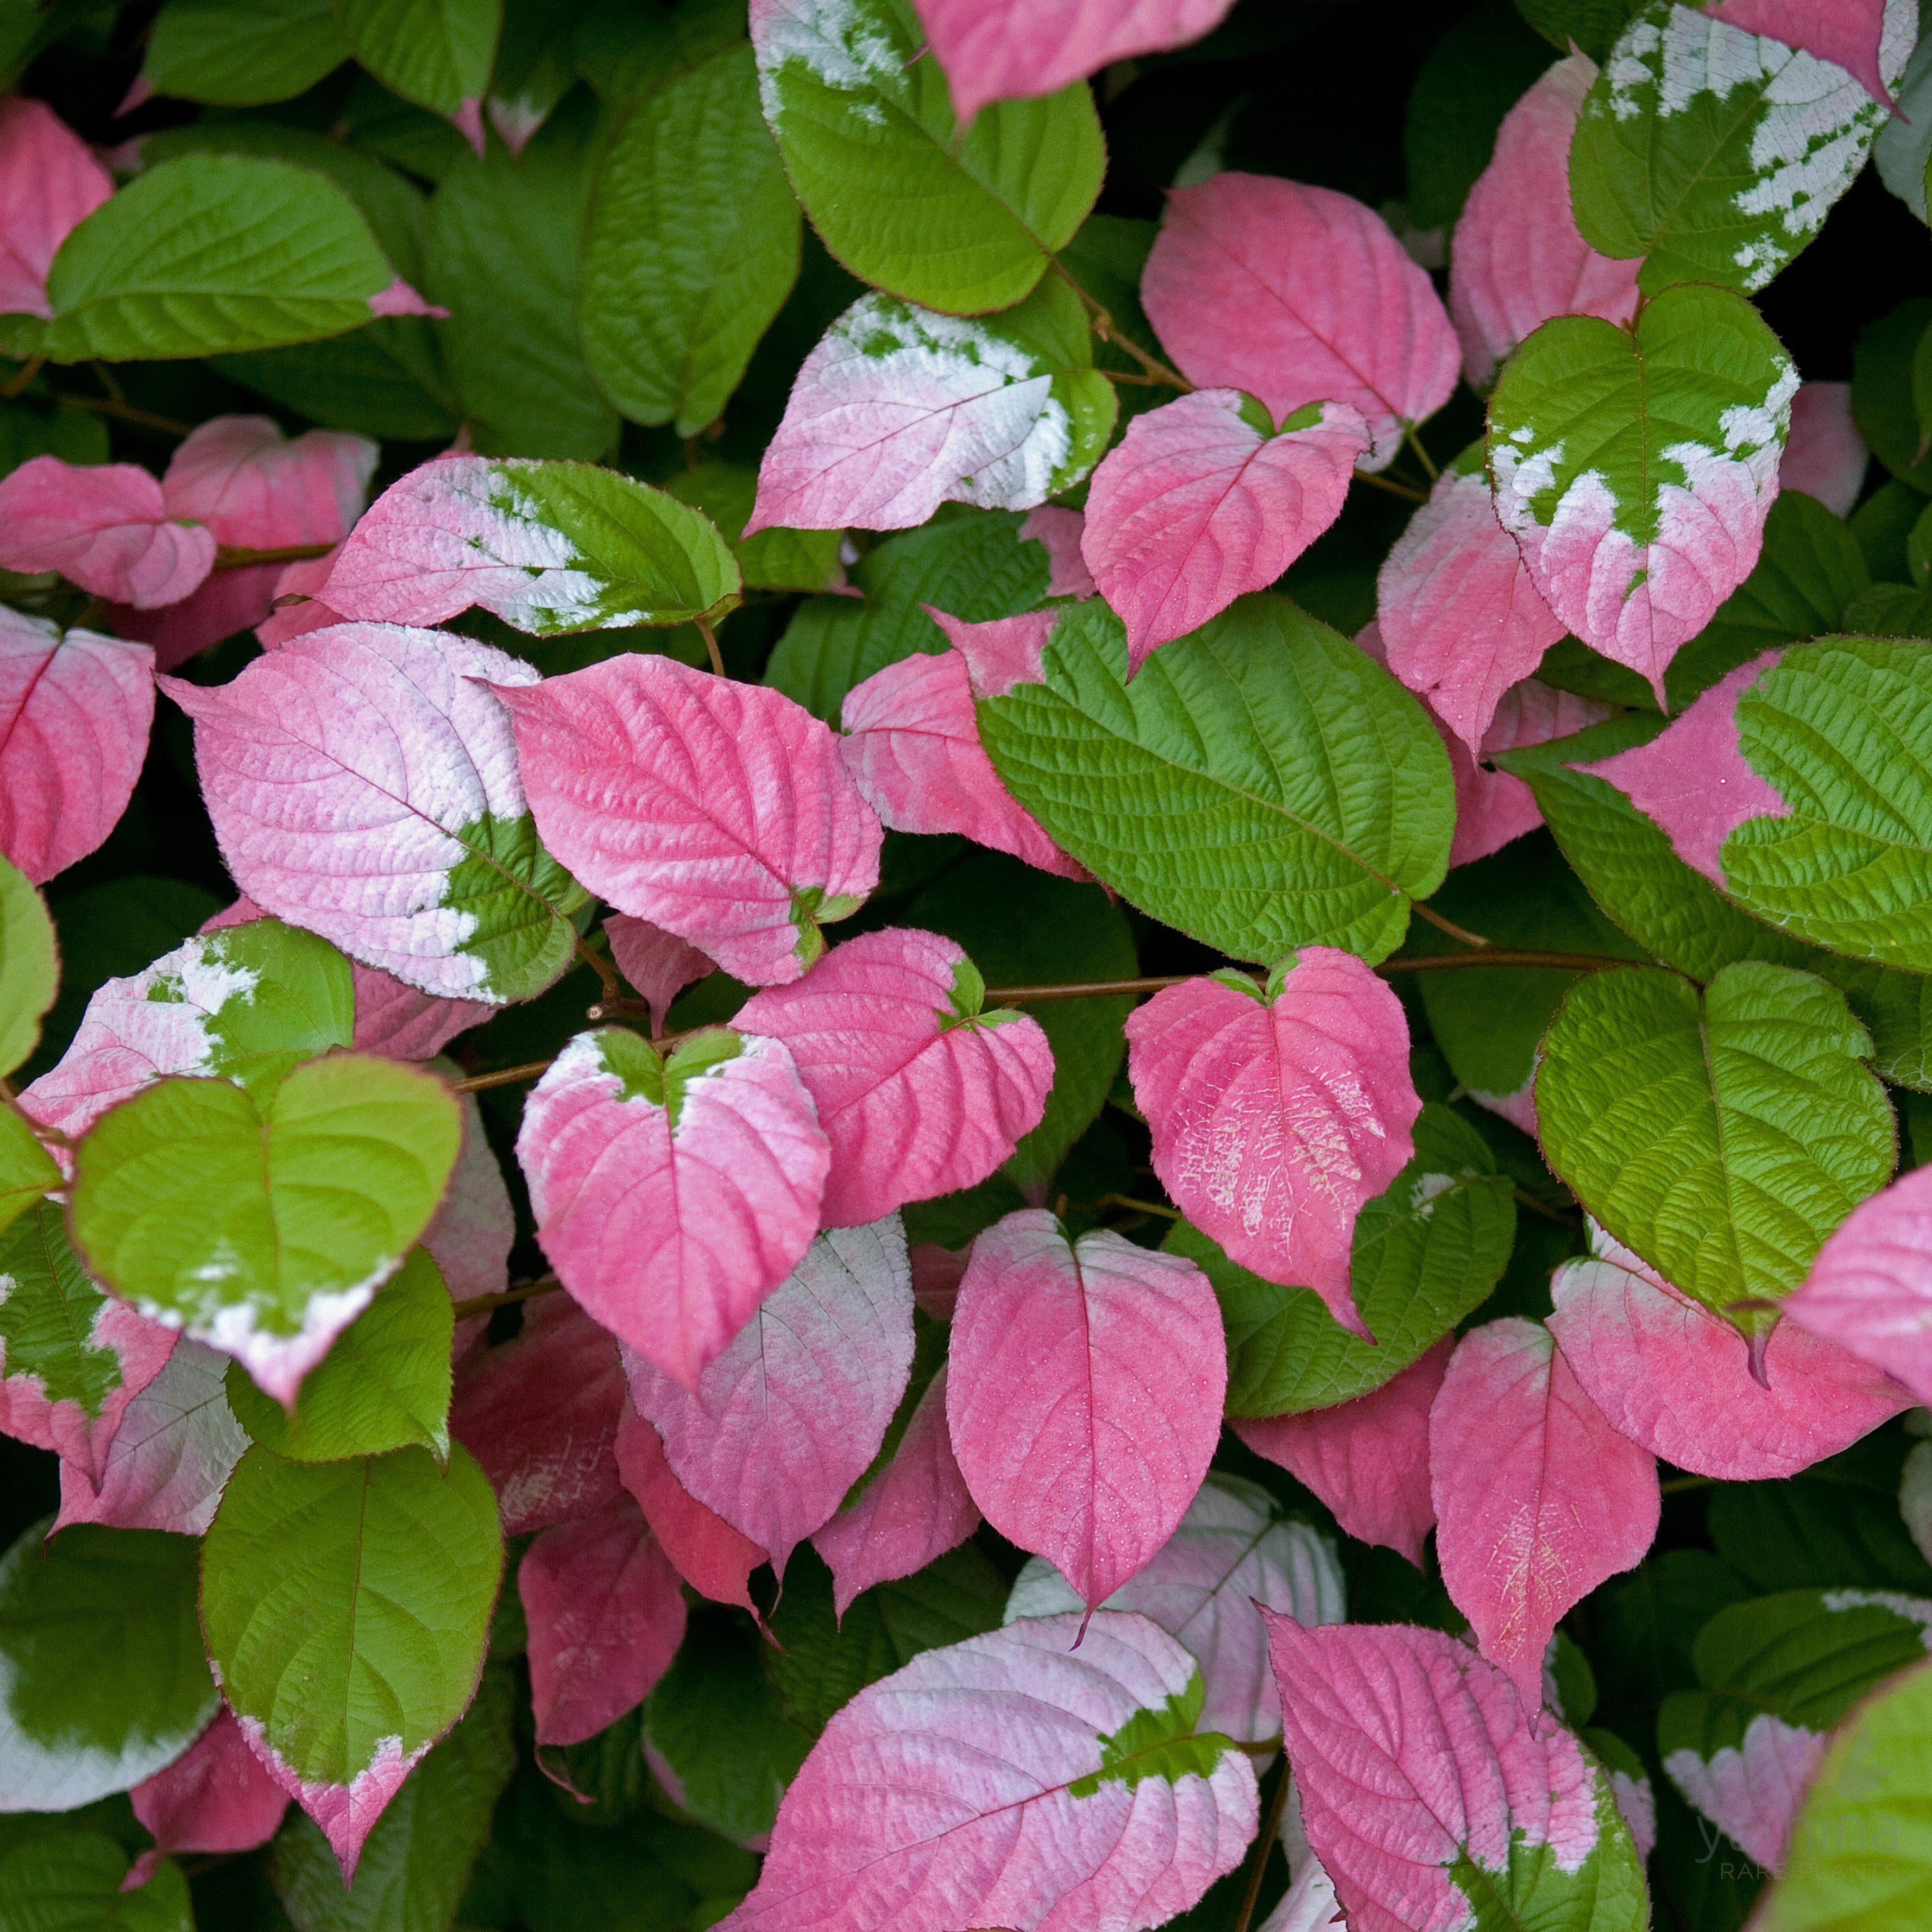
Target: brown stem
481	1304
1264	1845
1442	925
1103	327
1678	1485
1402	490
1526	1199
1422	456
106	405
504	1076
23	376
710	637
1127	1201
619	1009
606	974
234	556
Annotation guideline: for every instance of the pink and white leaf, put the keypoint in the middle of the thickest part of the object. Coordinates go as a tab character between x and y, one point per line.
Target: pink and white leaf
708	1553
344	1814
50	183
719	812
297	605
1274	1120
1299	295
1849	33
215	1797
1002	651
1058	531
1196	505
790	1415
256	489
1538	1498
659	964
1753	1789
1825	456
1084	1394
1367	1459
943	1795
103	527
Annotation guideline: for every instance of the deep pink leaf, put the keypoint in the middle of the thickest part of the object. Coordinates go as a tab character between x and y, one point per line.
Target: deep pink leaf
103	527
1411	1754
1299	295
50	182
912	745
671	1230
1367	1459
75	711
1849	32
1058	531
1001	653
215	1797
1196	504
1825	456
915	1510
470	1235
226	601
1676	1379
1493	807
1517	258
659	964
789	1416
937	1272
945	1795
919	1093
1274	1120
1538	1499
606	1616
1753	1790
297	605
720	811
1084	1394
708	1553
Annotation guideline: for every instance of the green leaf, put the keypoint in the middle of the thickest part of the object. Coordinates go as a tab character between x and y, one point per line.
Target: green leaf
70	1881
627	53
775	559
49	1310
692	247
1882	525
1570	664
1722	1136
1159	1742
1593	25
1261	784
29	966
1686	153
437	53
27	1172
204	255
30	426
100	1661
384	1385
961	221
263	1220
346	1604
1883	404
417	1861
1427	1251
242	53
1539	1887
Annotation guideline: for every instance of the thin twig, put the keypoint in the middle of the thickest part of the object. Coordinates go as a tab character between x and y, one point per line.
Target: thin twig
1442	925
1678	1485
1264	1847
619	1009
481	1304
1103	324
1422	455
23	376
504	1076
1127	1201
606	974
230	556
105	406
1537	1206
710	637
1402	490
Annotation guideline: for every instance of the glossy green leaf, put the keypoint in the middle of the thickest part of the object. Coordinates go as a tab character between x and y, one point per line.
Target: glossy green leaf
29	966
346	1604
437	53
102	1677
962	221
1883	403
70	1881
692	247
1260	784
1721	1136
1593	25
242	53
774	559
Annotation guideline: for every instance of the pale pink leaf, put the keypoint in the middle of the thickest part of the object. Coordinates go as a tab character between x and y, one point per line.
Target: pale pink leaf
1367	1459
1753	1790
399	299
1309	1904
708	1553
1692	779
1493	807
1058	533
671	1223
1677	1380
944	1795
1013	50
659	964
1825	456
720	811
215	1797
470	1235
1411	1754
540	1413
1538	1499
912	745
1848	32
1002	651
297	605
1233	1555
103	527
50	183
789	1416
345	1814
1517	258
1196	504
256	489
606	1616
1275	1118
919	1093
1459	617
1299	295
1084	1394
915	1510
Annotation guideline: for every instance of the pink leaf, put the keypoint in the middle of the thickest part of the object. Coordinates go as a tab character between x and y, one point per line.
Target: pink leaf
297	605
1275	1117
912	745
215	1797
671	1217
1692	778
1676	1379
1001	653
1493	807
1753	1790
344	1814
919	1093
915	1510
1870	1290
1058	531
718	811
470	1235
659	964
399	299
256	489
975	1786
1198	503
540	1413
709	1554
1848	32
75	711
1538	1499
606	1617
1299	295
103	527
789	1416
1517	258
1825	456
1459	619
226	602
1084	1394
1009	50
937	1272
1411	1754
1367	1459
50	182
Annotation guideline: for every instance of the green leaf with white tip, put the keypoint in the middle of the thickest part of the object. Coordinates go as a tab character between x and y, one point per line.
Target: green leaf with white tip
437	53
29	966
1260	784
241	53
1689	1124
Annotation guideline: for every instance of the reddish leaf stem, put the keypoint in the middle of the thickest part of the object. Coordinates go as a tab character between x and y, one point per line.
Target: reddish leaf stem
1264	1845
481	1304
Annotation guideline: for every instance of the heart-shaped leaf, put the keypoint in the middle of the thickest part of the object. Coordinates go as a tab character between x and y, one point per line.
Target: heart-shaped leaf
103	527
437	53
